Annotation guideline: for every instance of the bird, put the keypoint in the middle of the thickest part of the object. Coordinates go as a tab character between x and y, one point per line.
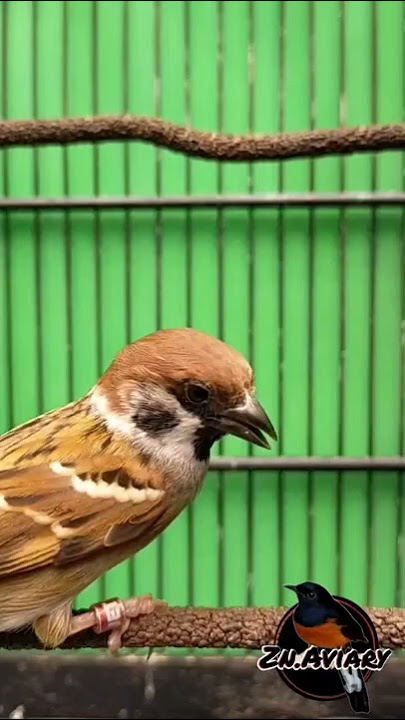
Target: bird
322	621
88	485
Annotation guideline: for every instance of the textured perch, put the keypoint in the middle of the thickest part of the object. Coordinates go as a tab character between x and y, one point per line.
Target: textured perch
248	628
202	144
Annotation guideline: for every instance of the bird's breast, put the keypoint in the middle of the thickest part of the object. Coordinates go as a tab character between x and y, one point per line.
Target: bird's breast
327	635
184	479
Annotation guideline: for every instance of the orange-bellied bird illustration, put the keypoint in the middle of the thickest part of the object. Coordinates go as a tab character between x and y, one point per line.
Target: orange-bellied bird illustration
321	621
84	487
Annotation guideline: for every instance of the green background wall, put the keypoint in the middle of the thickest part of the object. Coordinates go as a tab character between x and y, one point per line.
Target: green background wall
313	297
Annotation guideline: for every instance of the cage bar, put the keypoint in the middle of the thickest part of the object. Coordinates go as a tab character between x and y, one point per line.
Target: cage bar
242	200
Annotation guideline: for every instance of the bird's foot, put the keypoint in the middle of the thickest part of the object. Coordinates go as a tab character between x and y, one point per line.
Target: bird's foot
114	617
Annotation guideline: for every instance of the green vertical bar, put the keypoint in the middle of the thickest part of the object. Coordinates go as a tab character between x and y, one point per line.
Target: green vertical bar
326	300
204	272
400	598
81	230
21	226
142	270
112	236
387	314
4	349
52	298
235	286
358	227
173	258
295	298
80	182
265	330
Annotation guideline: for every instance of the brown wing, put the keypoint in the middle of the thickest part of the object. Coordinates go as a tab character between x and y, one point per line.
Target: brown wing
50	514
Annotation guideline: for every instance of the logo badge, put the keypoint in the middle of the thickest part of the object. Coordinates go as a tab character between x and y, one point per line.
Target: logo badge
305	656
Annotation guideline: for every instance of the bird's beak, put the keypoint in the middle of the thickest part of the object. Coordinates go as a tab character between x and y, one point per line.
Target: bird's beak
291	587
248	421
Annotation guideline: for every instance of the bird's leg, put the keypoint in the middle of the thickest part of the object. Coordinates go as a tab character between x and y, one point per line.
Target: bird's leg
300	656
332	665
114	617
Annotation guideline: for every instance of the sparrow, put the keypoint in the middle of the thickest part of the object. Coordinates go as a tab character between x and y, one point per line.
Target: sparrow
88	485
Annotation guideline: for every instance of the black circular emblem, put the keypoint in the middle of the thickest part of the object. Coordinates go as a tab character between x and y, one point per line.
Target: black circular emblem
321	684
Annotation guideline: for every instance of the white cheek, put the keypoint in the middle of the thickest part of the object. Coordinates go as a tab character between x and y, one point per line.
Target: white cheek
181	437
115	423
174	446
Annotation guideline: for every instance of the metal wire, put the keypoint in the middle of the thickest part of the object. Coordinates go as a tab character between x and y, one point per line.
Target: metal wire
342	304
158	230
388	464
243	200
281	273
220	281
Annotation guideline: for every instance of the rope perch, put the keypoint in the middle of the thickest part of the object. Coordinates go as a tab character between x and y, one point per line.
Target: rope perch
195	143
248	628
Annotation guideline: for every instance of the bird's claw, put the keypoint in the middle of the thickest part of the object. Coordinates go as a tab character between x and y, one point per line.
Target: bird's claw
114	617
111	617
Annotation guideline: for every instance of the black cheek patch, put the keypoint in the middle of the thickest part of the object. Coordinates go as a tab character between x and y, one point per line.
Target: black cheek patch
155	420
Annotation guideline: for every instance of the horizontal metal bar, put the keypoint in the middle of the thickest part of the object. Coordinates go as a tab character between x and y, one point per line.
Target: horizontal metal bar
388	464
205	201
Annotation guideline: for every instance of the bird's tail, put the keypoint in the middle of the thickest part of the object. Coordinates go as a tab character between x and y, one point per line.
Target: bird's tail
355	689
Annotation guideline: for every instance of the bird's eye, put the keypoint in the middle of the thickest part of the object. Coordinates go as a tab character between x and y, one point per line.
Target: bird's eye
311	595
196	394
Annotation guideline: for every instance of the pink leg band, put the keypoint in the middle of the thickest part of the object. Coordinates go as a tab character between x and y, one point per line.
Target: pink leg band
109	615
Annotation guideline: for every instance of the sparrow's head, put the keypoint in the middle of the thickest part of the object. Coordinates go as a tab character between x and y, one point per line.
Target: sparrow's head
178	391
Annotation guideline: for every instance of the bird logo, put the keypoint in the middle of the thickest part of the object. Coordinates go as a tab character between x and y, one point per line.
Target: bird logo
323	622
325	648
